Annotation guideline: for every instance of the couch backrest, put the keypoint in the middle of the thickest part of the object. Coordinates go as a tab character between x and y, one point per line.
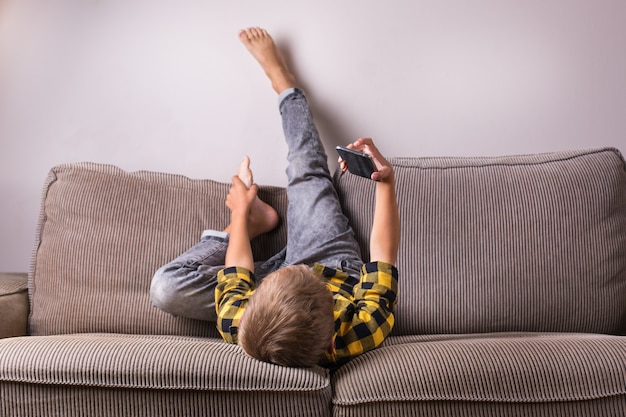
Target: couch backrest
102	234
524	243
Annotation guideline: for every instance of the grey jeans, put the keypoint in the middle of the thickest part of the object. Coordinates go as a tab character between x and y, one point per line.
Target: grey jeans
318	231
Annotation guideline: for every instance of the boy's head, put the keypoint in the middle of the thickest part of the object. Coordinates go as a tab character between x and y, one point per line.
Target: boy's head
289	319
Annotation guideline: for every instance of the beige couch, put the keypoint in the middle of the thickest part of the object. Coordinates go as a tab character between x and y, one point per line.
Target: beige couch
512	298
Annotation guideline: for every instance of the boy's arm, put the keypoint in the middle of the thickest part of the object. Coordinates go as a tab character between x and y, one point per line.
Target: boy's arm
366	316
234	287
385	234
239	201
235	283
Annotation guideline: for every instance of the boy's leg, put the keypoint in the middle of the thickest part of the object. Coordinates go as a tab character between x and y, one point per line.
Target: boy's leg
317	229
185	287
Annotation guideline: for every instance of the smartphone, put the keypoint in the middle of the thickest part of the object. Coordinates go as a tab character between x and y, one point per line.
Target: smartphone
359	163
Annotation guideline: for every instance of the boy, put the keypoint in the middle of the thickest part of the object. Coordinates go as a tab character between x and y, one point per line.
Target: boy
282	310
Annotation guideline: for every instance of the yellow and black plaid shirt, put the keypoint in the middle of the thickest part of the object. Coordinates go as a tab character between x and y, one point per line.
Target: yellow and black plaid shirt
363	307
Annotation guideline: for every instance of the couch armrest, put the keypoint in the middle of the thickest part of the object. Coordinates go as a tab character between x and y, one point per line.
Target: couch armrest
13	304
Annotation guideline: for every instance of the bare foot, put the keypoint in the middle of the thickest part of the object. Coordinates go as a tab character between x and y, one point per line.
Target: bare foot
263	218
262	47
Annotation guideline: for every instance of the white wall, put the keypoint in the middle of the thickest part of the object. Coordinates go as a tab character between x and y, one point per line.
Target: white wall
166	86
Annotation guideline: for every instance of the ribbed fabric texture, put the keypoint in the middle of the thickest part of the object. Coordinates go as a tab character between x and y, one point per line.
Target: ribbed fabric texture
515	244
525	243
102	234
29	400
609	407
103	374
554	369
159	362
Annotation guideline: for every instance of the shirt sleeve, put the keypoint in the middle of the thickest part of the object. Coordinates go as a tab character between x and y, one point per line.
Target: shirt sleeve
235	286
367	319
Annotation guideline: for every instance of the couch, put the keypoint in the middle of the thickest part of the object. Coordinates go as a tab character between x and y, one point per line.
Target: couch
512	298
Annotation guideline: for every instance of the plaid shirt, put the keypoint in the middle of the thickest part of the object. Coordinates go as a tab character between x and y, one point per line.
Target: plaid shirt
363	307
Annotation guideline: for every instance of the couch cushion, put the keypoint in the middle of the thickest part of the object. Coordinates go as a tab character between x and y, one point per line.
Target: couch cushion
102	234
519	243
486	374
143	375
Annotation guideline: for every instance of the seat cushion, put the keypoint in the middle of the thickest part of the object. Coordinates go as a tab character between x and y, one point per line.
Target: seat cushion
486	374
137	375
102	234
520	243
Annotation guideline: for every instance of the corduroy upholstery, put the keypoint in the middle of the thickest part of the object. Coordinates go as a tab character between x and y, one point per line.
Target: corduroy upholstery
524	243
115	374
522	373
102	232
13	305
512	298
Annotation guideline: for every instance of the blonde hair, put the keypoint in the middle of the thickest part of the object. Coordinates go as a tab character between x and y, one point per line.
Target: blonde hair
289	319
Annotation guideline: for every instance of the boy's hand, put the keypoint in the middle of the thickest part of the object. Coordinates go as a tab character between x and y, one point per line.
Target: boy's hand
240	197
366	145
